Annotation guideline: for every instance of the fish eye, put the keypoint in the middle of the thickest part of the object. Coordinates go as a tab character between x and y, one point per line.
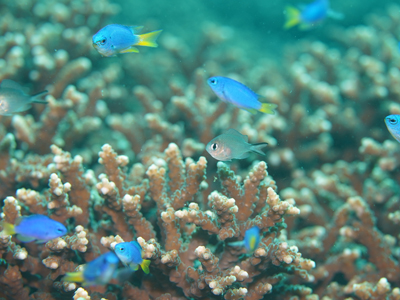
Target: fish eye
392	121
213	81
214	146
122	248
60	230
103	41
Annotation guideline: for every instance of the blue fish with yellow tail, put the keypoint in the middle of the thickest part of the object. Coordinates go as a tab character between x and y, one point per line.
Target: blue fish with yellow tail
130	253
35	227
393	125
96	272
251	240
115	38
309	15
232	91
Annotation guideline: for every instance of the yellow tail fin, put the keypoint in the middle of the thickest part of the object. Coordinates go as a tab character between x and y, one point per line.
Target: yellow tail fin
268	108
145	266
292	17
74	277
149	39
8	229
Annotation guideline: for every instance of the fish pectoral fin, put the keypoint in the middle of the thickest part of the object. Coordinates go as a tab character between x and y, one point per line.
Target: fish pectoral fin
145	266
149	39
24	238
129	50
268	108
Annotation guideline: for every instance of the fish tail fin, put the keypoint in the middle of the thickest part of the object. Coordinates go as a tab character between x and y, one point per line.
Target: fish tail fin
257	148
36	98
8	229
145	266
74	277
268	108
149	39
292	17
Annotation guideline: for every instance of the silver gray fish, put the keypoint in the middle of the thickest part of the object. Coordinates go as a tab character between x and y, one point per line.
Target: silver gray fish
232	145
13	99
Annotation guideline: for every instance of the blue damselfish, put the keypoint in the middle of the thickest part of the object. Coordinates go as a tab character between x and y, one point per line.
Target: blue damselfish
130	253
252	239
232	91
115	38
310	14
96	272
393	125
35	227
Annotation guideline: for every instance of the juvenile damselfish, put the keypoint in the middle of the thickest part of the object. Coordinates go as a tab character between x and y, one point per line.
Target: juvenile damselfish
115	38
14	100
232	145
393	125
251	240
35	227
232	91
96	272
130	253
310	14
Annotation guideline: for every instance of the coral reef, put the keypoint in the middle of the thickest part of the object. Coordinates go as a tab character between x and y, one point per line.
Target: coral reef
116	155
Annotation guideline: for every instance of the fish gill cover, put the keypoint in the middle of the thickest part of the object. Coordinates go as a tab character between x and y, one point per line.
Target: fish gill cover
118	152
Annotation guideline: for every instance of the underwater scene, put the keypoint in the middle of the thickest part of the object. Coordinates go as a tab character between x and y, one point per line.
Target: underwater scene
187	149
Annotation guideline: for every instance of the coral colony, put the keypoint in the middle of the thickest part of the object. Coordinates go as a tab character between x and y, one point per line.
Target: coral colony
117	155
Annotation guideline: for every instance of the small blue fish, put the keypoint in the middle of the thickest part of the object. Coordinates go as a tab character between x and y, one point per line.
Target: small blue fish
229	90
130	253
35	227
13	99
115	38
96	272
232	145
393	125
310	14
251	240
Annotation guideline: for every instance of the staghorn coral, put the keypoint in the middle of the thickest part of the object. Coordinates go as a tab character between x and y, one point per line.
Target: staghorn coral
179	252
